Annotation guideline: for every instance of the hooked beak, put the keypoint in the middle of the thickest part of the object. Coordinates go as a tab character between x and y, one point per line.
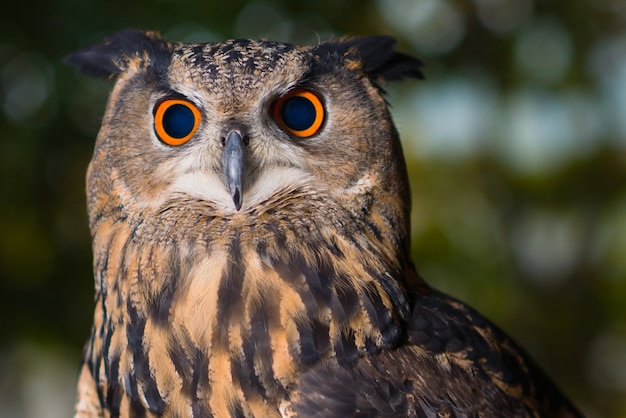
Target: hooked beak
232	163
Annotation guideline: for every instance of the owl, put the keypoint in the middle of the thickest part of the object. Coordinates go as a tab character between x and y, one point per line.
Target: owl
249	208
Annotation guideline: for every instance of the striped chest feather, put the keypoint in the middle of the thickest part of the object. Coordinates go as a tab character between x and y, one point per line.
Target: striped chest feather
199	314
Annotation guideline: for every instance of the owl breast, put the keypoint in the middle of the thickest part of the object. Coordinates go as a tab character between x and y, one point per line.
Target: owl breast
251	298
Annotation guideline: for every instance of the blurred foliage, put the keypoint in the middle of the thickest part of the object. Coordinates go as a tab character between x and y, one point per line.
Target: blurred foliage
516	147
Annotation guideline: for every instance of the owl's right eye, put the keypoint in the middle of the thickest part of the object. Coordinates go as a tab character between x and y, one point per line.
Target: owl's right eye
176	121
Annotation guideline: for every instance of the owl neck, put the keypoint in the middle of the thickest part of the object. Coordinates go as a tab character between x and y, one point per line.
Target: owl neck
262	297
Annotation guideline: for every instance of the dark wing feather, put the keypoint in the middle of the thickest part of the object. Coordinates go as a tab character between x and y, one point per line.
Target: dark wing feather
454	363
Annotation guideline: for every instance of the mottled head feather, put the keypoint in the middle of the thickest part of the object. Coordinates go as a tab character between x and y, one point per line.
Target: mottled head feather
376	55
115	55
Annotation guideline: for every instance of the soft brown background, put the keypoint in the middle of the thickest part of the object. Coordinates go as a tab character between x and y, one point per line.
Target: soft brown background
516	144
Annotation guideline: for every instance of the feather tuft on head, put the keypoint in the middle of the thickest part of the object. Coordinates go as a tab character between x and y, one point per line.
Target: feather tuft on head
114	56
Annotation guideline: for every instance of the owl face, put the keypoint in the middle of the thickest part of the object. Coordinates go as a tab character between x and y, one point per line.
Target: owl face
237	124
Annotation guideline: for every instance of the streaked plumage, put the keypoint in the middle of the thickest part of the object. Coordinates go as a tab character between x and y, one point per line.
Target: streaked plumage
272	277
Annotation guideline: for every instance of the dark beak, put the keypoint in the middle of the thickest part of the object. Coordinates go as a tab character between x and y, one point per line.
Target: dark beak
232	163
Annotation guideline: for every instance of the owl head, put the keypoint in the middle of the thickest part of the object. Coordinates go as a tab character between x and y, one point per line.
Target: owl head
244	125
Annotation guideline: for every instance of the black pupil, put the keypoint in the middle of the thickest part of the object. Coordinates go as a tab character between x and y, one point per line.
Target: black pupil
298	113
178	121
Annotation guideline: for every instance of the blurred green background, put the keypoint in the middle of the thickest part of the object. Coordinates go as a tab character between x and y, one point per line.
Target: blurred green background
517	152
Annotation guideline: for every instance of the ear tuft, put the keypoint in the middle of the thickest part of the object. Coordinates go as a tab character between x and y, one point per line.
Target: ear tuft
114	56
379	57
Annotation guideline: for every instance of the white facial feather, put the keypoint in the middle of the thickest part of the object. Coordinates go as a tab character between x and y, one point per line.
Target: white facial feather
275	180
210	187
205	186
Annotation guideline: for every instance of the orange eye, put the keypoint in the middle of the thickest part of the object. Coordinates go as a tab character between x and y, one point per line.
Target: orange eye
176	121
299	112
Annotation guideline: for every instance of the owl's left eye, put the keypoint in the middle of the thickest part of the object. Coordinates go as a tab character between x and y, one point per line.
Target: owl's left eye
176	121
299	112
